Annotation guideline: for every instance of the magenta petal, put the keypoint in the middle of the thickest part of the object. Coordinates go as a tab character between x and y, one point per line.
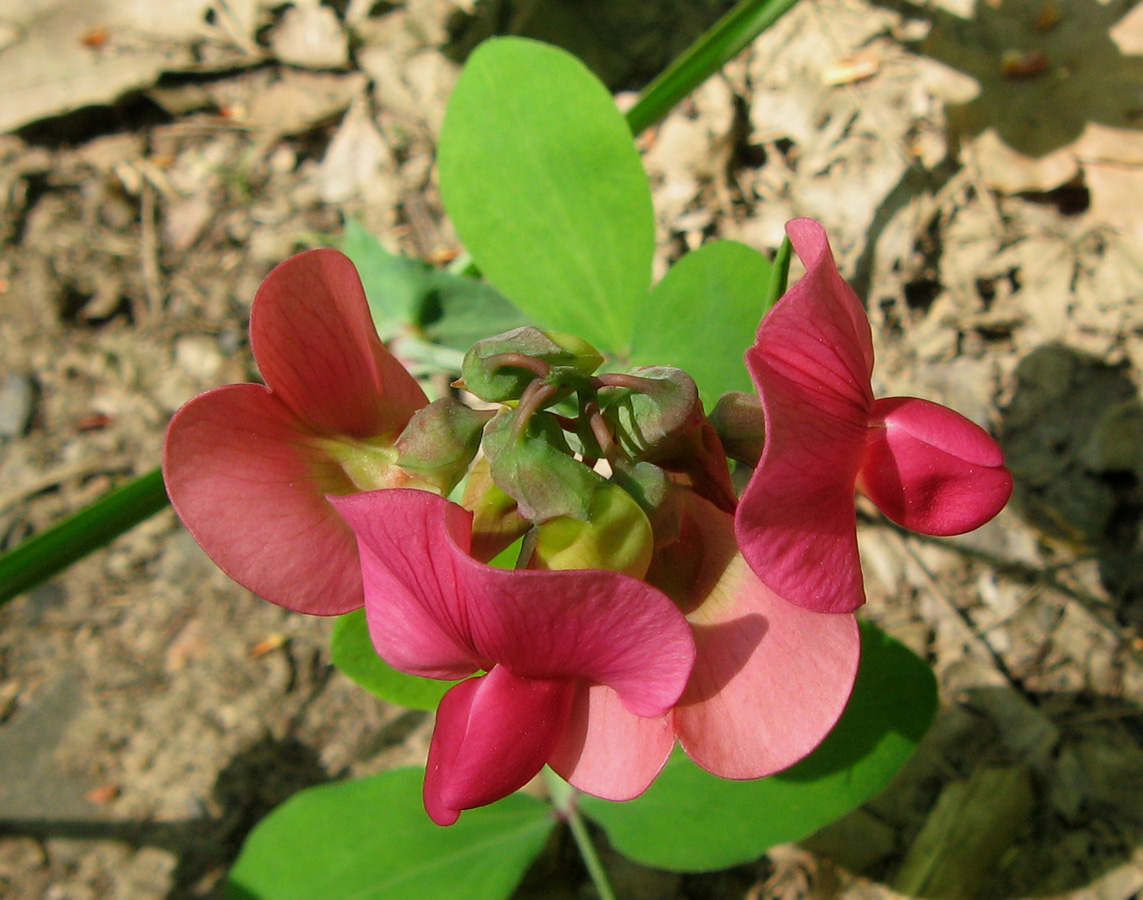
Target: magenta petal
493	734
601	626
604	627
317	349
811	363
416	598
249	484
930	469
609	752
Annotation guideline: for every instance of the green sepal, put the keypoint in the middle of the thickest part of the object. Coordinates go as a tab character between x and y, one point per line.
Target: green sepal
617	536
647	420
490	378
440	442
535	467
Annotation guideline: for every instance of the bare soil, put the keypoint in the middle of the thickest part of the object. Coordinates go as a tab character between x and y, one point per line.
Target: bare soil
979	172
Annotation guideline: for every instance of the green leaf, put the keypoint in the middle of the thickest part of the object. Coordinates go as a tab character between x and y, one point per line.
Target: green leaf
540	176
394	285
353	653
691	821
371	840
405	293
703	315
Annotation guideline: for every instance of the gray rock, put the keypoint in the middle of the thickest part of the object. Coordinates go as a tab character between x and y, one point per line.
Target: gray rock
17	405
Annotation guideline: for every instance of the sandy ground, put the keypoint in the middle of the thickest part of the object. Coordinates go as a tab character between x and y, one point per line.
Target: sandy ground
980	175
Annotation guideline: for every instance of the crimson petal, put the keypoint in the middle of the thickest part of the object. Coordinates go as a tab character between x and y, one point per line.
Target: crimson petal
771	678
493	734
930	469
316	347
609	752
811	362
249	484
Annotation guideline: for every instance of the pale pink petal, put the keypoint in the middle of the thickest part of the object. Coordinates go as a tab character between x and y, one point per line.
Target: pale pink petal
317	349
416	598
250	484
493	734
609	752
930	469
600	626
811	363
771	679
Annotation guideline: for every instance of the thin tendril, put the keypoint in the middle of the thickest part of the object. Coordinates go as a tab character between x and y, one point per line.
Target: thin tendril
626	380
531	401
519	361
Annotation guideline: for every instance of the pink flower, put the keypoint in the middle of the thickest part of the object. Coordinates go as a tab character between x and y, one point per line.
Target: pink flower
770	679
927	468
249	467
548	642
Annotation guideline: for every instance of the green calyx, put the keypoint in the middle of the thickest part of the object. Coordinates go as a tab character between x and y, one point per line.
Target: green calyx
534	465
499	369
440	442
650	408
364	464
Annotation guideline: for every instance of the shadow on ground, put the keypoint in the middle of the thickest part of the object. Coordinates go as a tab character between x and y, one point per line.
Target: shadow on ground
1045	70
1072	435
258	779
625	42
1009	795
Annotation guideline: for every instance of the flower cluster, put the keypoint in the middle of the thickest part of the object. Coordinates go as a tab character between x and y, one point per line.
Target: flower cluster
648	604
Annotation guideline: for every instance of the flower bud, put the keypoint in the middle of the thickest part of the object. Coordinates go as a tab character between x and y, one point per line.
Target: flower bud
440	442
499	368
737	417
647	418
535	467
617	537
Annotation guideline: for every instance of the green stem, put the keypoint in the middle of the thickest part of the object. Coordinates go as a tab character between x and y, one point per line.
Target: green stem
779	275
721	43
43	555
563	797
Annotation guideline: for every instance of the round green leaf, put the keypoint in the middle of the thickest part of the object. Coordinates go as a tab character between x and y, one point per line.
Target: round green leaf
703	315
691	821
540	176
372	840
352	651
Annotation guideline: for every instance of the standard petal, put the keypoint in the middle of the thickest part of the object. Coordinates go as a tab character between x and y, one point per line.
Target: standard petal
609	752
250	484
771	679
317	349
416	598
600	626
493	734
930	469
811	364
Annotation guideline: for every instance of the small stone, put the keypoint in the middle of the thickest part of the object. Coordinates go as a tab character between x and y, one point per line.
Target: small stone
199	356
312	37
17	405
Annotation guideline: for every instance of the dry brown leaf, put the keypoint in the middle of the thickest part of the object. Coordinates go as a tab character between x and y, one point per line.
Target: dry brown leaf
56	65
